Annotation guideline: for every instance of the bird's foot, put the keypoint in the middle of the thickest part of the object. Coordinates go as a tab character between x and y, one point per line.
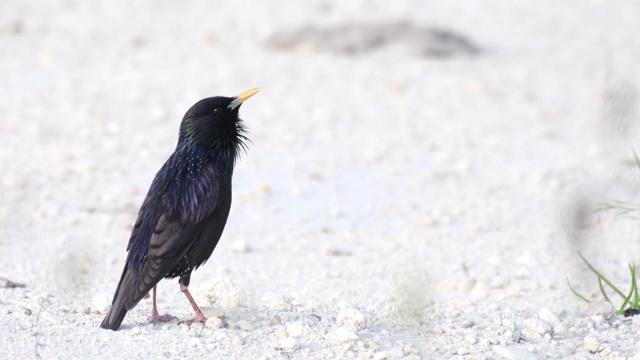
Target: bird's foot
156	318
198	319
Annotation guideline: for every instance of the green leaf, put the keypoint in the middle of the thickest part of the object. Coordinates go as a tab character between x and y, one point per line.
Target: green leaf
600	276
576	293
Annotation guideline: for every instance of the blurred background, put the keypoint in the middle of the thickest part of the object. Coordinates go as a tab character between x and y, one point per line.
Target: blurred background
404	153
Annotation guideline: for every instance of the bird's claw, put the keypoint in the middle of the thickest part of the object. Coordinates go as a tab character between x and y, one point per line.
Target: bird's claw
161	318
197	319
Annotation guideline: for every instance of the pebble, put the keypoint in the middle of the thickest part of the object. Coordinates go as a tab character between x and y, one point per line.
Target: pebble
279	332
275	320
289	343
213	323
219	291
538	326
100	303
548	315
598	320
465	324
603	308
350	316
345	335
244	325
380	355
213	311
467	285
591	344
295	329
514	353
277	302
480	291
236	341
240	247
470	339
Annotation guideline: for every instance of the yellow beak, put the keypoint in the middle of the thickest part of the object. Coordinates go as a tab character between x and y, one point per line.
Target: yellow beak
238	100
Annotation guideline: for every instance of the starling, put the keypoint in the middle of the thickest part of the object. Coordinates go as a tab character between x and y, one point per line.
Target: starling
185	211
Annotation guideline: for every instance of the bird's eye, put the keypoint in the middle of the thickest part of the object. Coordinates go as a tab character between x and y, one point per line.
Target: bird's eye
217	111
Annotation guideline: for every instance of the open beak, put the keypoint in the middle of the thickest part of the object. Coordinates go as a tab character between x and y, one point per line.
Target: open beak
238	100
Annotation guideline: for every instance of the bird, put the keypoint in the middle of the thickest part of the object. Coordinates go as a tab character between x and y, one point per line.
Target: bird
186	208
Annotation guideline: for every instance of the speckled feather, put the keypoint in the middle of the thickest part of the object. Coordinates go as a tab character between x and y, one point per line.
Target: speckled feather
185	211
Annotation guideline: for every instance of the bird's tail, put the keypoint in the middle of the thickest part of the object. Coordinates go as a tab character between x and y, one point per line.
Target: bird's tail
114	318
121	301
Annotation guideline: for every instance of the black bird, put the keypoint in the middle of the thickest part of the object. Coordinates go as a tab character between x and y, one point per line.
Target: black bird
186	208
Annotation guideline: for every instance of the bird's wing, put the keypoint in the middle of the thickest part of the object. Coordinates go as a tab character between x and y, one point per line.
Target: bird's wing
168	223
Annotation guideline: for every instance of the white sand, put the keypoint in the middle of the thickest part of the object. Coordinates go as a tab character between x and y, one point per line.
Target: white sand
391	205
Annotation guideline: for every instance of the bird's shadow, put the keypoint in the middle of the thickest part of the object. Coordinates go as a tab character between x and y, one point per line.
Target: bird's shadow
362	38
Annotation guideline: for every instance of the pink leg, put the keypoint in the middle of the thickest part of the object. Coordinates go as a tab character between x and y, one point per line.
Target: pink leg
199	316
155	317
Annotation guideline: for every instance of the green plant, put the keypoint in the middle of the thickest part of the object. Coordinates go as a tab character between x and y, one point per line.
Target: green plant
630	301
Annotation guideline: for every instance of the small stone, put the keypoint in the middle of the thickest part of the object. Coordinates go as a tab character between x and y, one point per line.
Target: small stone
275	320
380	355
136	331
462	350
538	326
467	285
603	308
598	320
213	311
395	352
263	189
351	316
499	282
470	339
513	353
591	344
100	303
345	335
240	247
279	332
335	213
244	325
236	341
516	336
480	291
26	312
289	343
277	302
219	291
465	324
548	315
295	329
213	323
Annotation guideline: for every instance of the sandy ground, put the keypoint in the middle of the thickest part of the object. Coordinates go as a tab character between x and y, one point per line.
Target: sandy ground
419	179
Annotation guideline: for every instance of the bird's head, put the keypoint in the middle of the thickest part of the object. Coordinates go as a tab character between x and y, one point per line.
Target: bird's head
214	122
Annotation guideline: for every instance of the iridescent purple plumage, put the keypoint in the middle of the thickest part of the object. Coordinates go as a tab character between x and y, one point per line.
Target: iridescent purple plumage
186	209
